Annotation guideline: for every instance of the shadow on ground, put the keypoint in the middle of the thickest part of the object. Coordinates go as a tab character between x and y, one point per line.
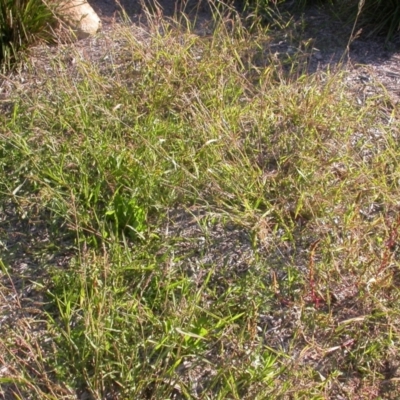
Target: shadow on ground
110	10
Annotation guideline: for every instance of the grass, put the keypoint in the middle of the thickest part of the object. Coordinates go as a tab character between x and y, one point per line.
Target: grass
194	217
371	17
23	23
381	16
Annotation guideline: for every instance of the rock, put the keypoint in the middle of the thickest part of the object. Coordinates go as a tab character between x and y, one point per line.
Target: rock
80	17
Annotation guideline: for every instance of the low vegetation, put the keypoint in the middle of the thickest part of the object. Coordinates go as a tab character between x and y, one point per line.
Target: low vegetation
23	23
197	217
374	17
27	22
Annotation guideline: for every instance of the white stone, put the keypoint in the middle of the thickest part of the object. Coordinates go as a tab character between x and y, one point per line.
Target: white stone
80	17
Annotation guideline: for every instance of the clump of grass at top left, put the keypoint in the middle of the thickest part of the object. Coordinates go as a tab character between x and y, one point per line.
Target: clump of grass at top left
22	23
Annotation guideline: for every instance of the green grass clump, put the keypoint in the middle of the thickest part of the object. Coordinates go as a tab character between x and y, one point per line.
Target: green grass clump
22	22
198	217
